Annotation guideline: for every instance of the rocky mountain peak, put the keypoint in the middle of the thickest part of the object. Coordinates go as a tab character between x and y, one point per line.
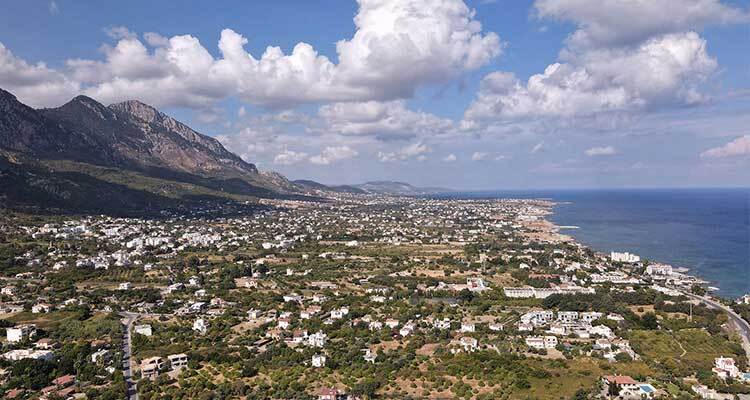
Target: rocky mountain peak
7	97
142	111
86	105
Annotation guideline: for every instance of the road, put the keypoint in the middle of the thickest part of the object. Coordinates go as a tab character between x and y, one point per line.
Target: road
128	320
743	327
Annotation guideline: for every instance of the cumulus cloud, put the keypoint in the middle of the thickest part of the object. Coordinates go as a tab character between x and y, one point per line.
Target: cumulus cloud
625	22
600	151
417	150
289	157
385	120
735	148
332	154
659	72
450	158
625	56
438	39
34	84
120	32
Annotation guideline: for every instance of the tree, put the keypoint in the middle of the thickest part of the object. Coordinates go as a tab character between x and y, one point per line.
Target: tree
698	289
623	357
31	374
613	390
581	394
649	321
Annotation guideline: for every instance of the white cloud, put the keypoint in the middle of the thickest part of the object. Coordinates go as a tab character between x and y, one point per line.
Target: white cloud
439	40
413	150
332	154
659	72
289	157
54	9
34	84
600	151
385	120
155	39
484	156
735	148
241	112
624	57
479	156
450	158
625	22
537	147
120	32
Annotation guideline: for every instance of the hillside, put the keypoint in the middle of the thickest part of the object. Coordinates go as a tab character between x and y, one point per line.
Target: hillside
84	156
399	188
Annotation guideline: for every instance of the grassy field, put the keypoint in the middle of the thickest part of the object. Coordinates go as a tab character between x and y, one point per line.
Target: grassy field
685	351
577	374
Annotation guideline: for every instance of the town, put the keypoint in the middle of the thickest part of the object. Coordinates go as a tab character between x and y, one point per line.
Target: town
354	297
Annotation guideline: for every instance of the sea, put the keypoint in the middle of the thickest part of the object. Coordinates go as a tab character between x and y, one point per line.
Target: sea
706	231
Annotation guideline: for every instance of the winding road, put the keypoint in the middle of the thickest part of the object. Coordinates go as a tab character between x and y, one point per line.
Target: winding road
743	327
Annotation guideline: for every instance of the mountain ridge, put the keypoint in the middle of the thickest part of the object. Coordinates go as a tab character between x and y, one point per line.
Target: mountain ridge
372	187
134	147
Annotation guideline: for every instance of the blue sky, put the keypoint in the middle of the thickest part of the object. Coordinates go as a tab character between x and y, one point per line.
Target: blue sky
466	94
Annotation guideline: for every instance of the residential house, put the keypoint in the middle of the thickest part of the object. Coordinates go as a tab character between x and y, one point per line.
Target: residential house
150	367
20	333
178	361
318	360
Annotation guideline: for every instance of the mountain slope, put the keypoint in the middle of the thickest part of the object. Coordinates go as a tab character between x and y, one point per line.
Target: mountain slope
399	188
308	185
126	146
25	130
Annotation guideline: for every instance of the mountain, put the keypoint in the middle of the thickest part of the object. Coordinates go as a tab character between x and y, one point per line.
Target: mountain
308	186
375	187
83	148
399	188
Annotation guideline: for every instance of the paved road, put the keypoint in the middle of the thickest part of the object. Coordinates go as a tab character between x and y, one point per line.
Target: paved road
128	319
743	327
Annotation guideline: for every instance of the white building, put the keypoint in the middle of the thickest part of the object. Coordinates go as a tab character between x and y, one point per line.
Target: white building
725	368
100	356
370	357
541	342
20	333
339	313
15	355
178	361
41	308
624	257
659	269
468	327
317	339
318	361
150	367
469	344
144	330
602	330
201	326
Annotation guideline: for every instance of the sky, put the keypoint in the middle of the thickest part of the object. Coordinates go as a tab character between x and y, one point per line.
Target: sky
469	95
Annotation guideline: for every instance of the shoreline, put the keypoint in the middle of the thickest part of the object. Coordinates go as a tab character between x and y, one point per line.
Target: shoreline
710	286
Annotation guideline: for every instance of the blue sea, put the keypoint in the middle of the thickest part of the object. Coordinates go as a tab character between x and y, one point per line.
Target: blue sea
704	230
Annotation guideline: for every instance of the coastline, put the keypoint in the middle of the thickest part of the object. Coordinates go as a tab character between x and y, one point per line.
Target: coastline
554	231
